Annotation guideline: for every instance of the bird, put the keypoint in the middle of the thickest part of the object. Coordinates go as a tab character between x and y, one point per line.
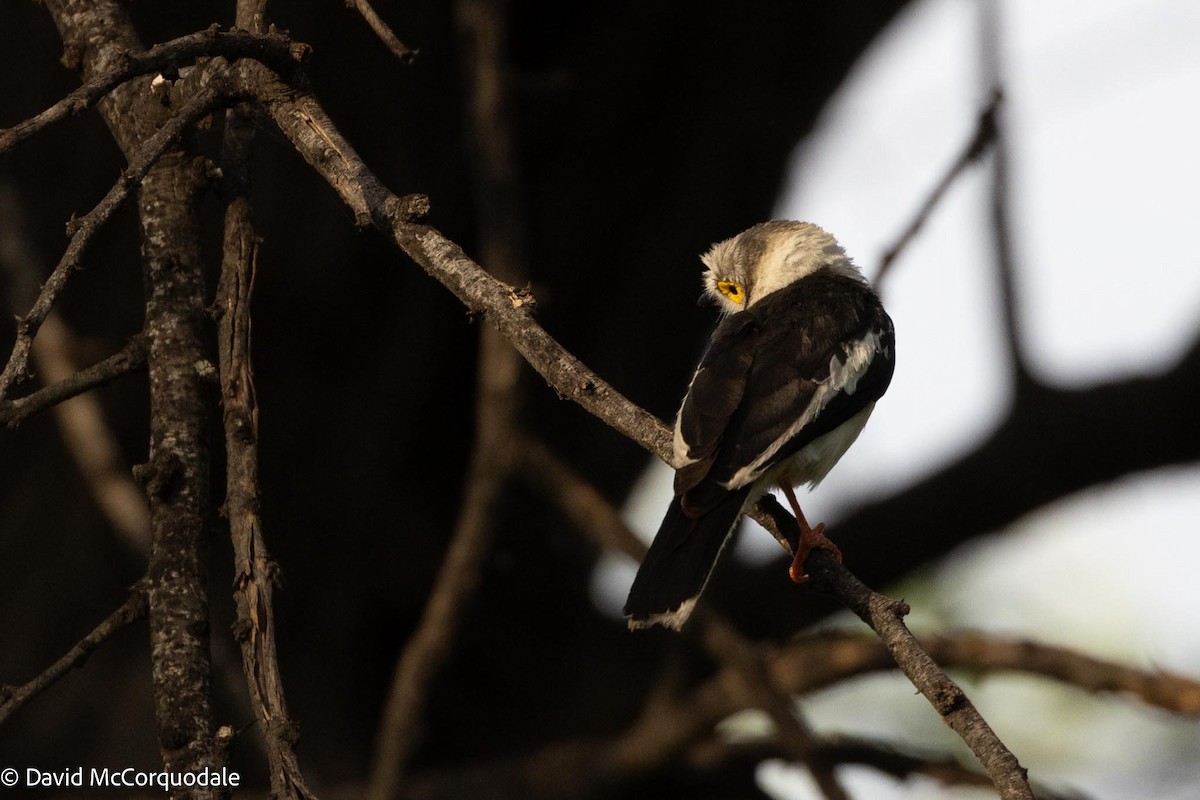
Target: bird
791	373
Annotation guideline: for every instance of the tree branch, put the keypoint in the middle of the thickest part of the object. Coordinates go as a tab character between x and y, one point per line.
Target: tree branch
981	140
885	616
882	756
1000	212
129	359
977	651
274	49
97	35
133	609
81	419
399	49
255	572
84	230
888	758
177	474
457	581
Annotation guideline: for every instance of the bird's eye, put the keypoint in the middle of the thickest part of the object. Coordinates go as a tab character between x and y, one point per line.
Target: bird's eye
732	290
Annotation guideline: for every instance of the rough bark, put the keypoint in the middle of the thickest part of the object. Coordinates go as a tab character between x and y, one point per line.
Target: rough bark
96	36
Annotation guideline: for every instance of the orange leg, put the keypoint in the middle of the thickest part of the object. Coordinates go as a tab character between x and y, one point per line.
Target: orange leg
810	538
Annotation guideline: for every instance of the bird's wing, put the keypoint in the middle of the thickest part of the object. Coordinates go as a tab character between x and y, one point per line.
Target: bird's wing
713	397
796	365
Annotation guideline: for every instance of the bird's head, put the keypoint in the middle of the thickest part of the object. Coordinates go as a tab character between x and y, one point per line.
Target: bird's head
771	255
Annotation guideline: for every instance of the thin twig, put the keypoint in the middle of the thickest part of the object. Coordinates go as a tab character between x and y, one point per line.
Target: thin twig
91	441
133	609
81	419
129	359
578	499
85	229
399	49
982	138
275	49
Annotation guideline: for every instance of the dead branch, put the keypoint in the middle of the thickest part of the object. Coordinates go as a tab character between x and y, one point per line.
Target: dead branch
81	419
399	49
97	36
885	616
133	609
401	728
888	758
979	143
977	651
882	756
177	473
255	572
91	442
129	359
275	49
84	230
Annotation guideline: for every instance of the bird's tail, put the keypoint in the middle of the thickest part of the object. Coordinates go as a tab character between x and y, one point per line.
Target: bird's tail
679	561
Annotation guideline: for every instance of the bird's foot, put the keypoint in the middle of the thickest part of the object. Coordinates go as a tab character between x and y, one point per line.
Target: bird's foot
810	539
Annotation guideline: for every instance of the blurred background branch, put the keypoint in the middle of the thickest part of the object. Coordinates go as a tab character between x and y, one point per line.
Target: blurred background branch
491	144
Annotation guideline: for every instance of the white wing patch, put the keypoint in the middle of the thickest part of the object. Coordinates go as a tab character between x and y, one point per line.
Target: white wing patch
843	377
681	449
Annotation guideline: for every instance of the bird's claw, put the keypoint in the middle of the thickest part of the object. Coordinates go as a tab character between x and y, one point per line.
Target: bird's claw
810	539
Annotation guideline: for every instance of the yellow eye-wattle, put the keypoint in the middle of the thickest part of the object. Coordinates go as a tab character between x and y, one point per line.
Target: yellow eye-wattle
732	290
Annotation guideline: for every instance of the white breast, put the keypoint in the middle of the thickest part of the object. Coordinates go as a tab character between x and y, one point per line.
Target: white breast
812	462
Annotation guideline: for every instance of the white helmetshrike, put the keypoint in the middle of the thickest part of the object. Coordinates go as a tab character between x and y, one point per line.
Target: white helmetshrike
790	376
